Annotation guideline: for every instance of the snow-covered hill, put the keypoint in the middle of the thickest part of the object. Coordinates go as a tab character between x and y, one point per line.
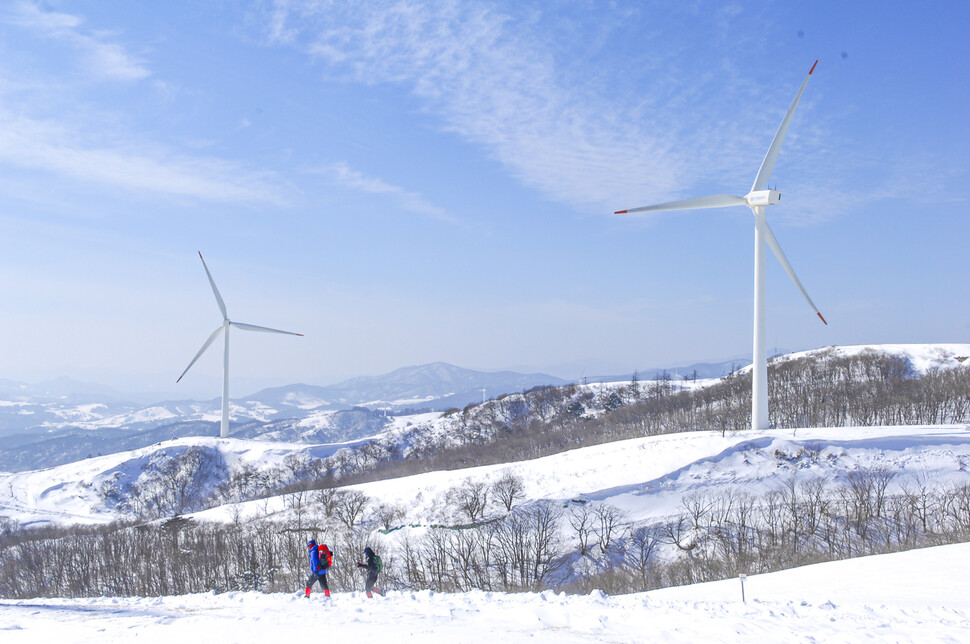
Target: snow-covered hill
915	596
922	358
646	477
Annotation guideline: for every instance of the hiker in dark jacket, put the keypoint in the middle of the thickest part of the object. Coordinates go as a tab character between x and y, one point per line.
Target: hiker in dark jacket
372	569
319	562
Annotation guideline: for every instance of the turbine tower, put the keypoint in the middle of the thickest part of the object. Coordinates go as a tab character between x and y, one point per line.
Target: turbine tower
226	323
756	199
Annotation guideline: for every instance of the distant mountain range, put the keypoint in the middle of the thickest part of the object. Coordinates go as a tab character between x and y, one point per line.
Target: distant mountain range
698	370
434	386
65	403
62	420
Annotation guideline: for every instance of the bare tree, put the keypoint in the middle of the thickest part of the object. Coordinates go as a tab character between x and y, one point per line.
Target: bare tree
582	521
611	525
679	531
508	489
296	501
471	497
922	496
643	543
328	498
350	506
531	547
697	505
388	514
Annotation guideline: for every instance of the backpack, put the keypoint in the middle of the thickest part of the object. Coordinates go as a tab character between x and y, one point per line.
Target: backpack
379	563
325	556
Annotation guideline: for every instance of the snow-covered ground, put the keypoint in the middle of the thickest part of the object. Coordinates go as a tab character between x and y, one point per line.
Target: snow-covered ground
916	596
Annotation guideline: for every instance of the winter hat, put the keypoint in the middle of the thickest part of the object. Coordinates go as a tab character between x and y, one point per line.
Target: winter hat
311	542
368	551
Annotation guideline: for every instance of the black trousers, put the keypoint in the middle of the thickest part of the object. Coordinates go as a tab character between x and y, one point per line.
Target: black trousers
370	581
314	577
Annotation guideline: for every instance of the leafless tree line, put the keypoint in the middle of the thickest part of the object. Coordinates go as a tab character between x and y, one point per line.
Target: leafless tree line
724	534
523	550
535	546
177	556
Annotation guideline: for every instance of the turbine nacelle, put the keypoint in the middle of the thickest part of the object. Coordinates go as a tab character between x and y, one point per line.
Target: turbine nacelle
762	198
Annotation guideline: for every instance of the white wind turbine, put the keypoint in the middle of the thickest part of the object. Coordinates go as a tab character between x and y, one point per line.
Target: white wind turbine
226	323
756	199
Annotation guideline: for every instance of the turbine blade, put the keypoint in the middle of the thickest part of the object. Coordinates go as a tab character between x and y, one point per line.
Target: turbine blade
215	291
780	254
712	201
205	346
769	162
264	329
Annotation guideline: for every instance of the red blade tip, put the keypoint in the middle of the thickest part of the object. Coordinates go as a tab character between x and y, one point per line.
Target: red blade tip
620	212
812	69
822	319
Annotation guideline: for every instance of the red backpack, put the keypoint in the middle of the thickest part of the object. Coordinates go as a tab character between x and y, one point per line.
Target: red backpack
325	555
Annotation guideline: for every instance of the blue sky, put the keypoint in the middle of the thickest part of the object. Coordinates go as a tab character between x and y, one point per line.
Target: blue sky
407	182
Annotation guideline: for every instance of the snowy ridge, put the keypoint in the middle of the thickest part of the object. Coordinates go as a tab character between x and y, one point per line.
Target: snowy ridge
922	357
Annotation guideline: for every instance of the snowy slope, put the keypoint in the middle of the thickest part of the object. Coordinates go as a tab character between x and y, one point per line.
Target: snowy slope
646	477
68	494
916	596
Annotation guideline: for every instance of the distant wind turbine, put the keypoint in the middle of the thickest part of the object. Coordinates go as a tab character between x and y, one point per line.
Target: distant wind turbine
226	323
756	199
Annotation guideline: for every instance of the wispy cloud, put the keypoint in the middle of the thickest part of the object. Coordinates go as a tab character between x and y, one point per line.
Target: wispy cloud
54	147
99	55
493	83
347	177
596	129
